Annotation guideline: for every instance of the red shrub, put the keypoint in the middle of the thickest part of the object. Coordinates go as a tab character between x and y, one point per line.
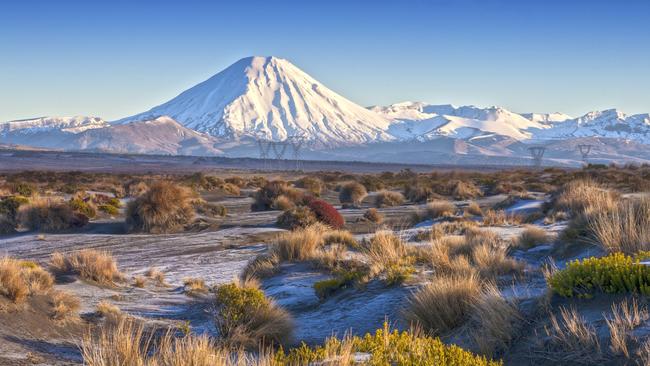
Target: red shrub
325	212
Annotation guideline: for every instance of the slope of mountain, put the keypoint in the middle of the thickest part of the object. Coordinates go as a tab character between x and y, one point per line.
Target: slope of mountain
44	124
271	98
418	121
162	135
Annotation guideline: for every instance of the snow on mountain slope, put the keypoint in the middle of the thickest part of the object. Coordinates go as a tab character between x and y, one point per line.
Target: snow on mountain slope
162	135
270	97
609	123
67	124
419	121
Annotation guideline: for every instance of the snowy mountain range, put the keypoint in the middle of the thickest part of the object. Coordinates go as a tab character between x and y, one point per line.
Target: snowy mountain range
270	98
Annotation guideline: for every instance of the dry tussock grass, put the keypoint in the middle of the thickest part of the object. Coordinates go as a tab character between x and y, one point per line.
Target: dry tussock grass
89	264
262	266
622	228
373	216
387	252
496	321
440	208
299	245
626	316
443	304
388	199
48	215
352	194
500	218
473	209
532	236
194	286
341	237
156	275
572	338
64	305
20	279
164	207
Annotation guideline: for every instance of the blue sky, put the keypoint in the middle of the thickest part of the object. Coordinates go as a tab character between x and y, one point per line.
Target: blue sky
117	58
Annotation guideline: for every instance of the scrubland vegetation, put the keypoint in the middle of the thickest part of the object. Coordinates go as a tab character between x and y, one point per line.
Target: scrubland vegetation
461	263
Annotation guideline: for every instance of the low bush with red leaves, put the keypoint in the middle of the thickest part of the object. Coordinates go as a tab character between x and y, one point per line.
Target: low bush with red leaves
325	212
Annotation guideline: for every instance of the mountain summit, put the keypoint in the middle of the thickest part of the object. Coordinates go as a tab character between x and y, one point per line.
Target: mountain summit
269	97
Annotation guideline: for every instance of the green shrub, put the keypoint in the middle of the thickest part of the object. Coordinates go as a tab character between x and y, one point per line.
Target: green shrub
23	189
615	273
385	347
343	280
109	209
80	205
245	317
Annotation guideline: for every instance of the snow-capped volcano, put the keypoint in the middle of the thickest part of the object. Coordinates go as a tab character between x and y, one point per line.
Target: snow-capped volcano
269	97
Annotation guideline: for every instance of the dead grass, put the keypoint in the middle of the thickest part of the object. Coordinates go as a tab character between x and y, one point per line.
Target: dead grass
89	264
436	209
163	208
373	216
107	309
20	279
262	266
387	252
49	216
500	218
139	281
473	209
532	236
388	199
492	261
64	305
496	321
352	194
579	196
622	228
572	338
156	275
463	190
443	304
626	316
341	237
129	344
299	245
194	286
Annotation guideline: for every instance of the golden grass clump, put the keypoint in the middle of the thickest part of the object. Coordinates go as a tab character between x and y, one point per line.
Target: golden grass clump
626	316
89	264
341	237
473	209
299	245
572	338
373	215
579	196
387	253
352	194
20	279
194	286
500	218
64	305
443	304
440	208
622	228
164	207
496	321
49	216
463	190
532	236
388	199
156	275
262	266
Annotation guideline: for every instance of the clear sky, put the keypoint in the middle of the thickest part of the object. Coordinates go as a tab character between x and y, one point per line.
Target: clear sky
116	58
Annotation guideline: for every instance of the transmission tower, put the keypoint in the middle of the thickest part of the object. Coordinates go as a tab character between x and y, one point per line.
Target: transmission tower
264	146
585	150
537	153
297	142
